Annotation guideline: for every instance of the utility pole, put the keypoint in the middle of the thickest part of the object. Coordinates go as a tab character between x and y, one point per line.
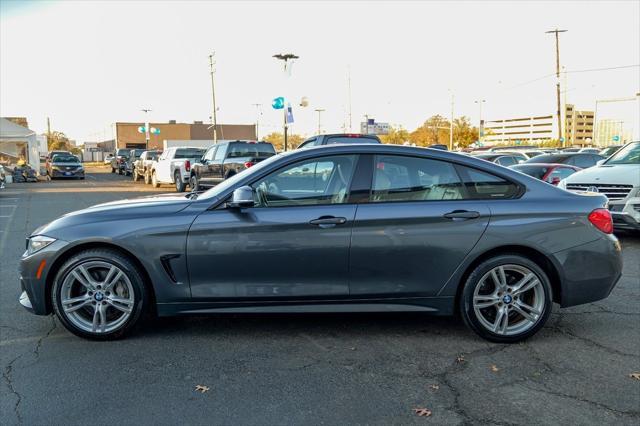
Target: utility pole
349	98
559	112
481	125
258	113
451	125
319	111
214	117
147	134
285	57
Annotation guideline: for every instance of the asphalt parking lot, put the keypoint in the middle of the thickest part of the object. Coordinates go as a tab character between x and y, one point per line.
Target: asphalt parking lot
324	369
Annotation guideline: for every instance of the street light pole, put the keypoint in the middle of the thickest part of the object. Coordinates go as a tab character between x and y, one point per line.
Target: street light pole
451	125
480	125
147	134
319	111
213	95
258	113
559	112
285	57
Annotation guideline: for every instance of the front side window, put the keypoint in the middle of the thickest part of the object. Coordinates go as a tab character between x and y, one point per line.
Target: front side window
219	155
209	155
309	182
400	178
482	186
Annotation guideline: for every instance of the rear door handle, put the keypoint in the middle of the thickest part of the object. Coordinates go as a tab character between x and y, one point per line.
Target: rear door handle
462	214
328	221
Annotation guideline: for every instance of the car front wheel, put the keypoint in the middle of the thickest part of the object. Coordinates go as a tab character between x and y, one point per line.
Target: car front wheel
506	299
154	180
147	177
99	294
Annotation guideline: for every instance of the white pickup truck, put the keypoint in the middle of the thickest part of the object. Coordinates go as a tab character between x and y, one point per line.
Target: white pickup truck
617	177
174	166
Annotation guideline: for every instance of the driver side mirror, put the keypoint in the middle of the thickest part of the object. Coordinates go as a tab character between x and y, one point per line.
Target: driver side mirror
242	197
600	162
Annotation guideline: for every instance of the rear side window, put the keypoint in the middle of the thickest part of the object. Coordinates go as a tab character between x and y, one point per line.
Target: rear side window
485	186
189	153
399	178
506	161
583	161
261	150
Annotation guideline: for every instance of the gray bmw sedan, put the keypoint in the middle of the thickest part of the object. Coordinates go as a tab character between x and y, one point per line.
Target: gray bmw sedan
359	228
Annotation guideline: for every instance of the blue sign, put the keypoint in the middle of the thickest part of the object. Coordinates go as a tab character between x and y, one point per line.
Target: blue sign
289	114
616	138
278	103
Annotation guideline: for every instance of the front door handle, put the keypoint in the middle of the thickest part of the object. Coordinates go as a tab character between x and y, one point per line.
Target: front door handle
462	214
328	221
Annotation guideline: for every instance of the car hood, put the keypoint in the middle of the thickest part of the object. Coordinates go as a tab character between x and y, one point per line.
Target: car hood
620	174
151	206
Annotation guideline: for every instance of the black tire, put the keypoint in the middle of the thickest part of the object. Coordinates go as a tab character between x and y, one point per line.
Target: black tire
180	185
193	183
135	175
114	257
113	170
466	298
119	171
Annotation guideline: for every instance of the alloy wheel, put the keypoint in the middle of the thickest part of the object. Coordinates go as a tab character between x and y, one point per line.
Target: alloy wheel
97	297
509	300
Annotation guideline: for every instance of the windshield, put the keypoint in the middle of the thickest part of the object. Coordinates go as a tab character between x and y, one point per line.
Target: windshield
630	154
226	184
123	152
189	153
62	158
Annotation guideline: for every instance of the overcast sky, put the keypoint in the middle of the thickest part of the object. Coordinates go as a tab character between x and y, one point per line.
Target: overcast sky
87	64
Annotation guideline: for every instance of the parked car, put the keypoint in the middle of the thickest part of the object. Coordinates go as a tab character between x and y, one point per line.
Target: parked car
108	158
142	166
3	176
174	166
362	228
618	178
65	166
590	150
610	150
503	159
129	164
528	153
567	150
339	138
550	173
118	163
578	159
225	159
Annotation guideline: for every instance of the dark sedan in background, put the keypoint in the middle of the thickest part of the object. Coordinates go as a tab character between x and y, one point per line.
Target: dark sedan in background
501	158
364	228
65	166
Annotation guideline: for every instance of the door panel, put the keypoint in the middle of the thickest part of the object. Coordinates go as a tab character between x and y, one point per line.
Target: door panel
270	253
411	249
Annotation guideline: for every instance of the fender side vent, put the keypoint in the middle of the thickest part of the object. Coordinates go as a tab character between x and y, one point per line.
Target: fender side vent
166	264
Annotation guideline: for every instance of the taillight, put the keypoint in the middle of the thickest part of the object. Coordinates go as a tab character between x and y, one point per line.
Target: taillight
248	164
601	219
187	165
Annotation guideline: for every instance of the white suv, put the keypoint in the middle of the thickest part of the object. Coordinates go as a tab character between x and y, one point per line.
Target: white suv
617	177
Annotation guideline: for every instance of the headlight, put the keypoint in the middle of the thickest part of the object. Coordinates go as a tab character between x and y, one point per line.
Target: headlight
37	243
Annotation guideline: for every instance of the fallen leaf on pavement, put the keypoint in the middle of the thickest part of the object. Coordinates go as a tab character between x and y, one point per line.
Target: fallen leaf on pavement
202	388
422	412
635	376
460	359
435	387
494	368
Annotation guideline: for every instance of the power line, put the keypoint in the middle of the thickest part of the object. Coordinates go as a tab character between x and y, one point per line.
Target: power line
572	72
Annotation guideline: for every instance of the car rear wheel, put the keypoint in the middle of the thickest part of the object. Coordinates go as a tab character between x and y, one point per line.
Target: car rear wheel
119	171
180	185
113	170
154	180
506	299
135	175
99	294
193	183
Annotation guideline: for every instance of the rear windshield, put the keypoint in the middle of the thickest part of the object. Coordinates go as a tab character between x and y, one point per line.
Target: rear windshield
65	158
535	171
350	140
189	153
256	150
549	158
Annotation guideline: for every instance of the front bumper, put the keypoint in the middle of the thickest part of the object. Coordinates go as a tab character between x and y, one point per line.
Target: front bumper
589	271
67	173
35	291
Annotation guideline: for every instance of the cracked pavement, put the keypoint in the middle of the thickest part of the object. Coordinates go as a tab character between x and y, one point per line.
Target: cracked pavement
268	369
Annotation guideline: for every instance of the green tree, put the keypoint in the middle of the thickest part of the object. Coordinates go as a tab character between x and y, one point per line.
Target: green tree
463	133
277	140
396	136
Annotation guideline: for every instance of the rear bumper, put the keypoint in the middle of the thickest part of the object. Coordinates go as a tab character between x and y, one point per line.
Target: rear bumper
590	271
